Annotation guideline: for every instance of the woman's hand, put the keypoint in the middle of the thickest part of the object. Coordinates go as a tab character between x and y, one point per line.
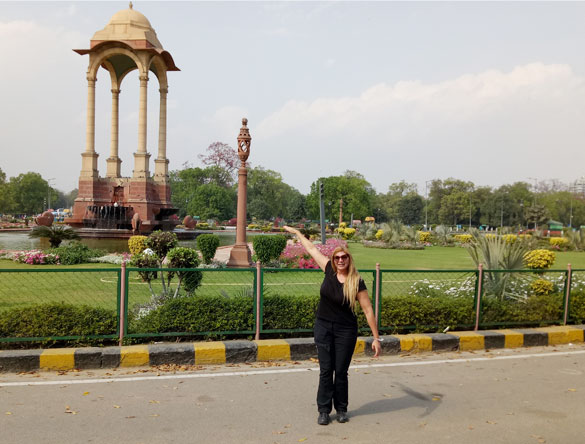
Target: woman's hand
377	347
292	230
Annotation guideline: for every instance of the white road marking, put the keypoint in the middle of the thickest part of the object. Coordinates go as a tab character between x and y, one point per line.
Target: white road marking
291	370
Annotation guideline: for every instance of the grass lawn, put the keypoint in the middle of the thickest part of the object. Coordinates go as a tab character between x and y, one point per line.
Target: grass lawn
437	258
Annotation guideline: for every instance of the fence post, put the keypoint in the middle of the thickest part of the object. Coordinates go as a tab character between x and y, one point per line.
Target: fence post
479	290
122	319
258	293
567	293
377	299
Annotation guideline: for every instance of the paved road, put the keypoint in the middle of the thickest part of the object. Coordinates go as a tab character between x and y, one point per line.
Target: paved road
528	396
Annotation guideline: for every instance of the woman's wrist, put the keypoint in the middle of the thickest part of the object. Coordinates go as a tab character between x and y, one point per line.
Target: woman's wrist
379	339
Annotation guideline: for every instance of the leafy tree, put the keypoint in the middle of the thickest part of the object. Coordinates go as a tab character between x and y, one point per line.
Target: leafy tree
455	207
357	194
28	193
410	209
452	209
537	214
211	201
270	197
5	197
224	157
185	183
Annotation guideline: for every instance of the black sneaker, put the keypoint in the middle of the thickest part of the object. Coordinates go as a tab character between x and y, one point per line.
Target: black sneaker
342	417
323	418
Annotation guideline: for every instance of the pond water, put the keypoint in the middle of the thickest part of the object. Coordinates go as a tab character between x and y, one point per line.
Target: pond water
21	241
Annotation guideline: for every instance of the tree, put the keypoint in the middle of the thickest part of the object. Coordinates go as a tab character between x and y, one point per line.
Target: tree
210	201
223	156
537	214
410	209
357	194
184	184
5	197
28	193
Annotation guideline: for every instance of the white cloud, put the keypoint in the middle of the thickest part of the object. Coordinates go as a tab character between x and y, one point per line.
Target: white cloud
415	130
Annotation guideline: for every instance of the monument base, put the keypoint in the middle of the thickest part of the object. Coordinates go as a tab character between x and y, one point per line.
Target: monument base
240	257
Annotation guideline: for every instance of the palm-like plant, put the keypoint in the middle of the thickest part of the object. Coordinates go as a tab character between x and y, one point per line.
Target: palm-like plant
56	234
497	254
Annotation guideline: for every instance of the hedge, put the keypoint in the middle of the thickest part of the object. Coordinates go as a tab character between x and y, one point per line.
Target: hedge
223	313
56	319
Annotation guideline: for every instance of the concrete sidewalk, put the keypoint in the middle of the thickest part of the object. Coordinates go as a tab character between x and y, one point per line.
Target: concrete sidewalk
221	352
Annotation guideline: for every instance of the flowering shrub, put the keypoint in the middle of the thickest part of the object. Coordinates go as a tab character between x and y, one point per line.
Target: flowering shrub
463	238
542	287
347	233
448	287
539	259
253	227
112	258
35	257
559	242
490	236
379	234
137	244
524	236
424	236
295	255
510	238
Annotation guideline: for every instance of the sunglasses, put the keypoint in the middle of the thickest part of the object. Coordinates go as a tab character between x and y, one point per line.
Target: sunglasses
343	257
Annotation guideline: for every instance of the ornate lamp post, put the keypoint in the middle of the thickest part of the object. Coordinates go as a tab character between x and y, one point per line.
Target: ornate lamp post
240	255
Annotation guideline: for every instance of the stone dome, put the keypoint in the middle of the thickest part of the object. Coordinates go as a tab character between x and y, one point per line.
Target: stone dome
128	25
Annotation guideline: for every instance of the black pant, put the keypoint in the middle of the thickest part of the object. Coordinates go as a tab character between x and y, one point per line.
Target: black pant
335	345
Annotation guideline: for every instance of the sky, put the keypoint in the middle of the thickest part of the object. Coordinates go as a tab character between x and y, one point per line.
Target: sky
489	92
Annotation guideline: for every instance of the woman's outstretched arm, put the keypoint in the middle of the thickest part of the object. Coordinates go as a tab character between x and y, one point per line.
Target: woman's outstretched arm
319	257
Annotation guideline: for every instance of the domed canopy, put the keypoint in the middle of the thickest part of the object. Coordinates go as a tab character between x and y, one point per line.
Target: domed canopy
128	26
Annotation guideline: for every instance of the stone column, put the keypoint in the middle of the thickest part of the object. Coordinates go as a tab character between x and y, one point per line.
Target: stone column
113	162
161	163
240	255
89	157
141	157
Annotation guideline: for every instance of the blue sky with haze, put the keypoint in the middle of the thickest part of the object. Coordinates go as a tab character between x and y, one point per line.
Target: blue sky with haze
492	92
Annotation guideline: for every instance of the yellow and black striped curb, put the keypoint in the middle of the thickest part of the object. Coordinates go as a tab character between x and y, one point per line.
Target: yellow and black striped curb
201	353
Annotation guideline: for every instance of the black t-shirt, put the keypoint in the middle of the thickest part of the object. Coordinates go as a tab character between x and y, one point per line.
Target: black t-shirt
332	306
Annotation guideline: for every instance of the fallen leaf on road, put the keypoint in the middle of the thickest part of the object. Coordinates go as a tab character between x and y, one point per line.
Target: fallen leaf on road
8	413
155	415
436	398
386	395
572	390
152	401
130	417
116	406
470	427
302	439
491	422
85	393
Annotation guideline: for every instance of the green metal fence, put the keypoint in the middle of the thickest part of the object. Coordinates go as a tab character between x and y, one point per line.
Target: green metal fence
95	291
263	302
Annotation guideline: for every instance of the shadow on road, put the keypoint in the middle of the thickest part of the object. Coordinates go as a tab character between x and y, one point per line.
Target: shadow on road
411	399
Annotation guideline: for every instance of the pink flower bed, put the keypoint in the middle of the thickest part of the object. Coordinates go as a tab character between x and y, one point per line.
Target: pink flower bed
35	257
295	255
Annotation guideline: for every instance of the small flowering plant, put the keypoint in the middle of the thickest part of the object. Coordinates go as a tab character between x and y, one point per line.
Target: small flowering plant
295	255
35	257
539	259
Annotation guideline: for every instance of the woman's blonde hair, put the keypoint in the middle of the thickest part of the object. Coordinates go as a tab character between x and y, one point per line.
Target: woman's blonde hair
352	280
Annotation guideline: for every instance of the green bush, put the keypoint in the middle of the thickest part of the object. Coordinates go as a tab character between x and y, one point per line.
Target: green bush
75	253
198	314
207	244
268	248
145	260
161	242
56	319
181	257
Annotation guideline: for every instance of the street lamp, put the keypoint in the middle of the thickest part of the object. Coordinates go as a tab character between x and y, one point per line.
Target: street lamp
49	193
535	186
427	204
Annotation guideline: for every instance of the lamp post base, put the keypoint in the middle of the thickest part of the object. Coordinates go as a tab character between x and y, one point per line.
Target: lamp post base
240	257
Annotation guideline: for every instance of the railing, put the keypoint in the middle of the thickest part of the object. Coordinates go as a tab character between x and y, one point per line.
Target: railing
130	304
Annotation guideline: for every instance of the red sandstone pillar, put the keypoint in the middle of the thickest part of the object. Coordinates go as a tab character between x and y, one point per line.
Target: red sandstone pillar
240	255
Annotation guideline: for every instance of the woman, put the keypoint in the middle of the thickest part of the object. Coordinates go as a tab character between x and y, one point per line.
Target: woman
336	326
